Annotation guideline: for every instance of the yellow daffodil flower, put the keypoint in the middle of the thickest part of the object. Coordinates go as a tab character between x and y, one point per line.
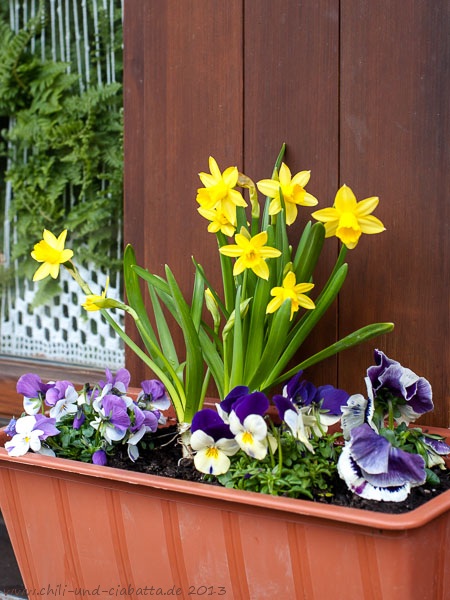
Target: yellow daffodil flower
219	190
219	221
291	291
251	252
292	189
50	251
94	301
348	219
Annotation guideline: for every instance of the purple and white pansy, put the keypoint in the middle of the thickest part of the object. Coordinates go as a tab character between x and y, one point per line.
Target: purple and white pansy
102	416
212	441
393	382
29	432
375	470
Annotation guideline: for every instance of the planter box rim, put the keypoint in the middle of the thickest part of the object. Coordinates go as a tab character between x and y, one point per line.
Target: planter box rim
408	520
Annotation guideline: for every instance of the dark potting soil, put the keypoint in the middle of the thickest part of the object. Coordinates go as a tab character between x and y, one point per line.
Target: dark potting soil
165	459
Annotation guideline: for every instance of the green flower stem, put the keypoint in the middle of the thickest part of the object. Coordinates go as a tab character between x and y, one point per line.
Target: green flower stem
390	414
177	396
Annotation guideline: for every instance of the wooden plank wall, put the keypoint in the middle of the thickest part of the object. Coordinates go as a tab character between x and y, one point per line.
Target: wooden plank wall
359	91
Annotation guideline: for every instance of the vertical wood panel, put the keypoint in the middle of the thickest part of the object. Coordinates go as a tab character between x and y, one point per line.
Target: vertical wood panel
395	127
359	91
190	57
291	95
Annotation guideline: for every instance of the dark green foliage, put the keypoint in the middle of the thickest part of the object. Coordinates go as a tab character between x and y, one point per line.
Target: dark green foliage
65	147
299	474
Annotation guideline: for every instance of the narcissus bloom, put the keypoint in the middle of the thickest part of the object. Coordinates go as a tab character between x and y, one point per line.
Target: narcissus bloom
348	219
219	221
50	251
219	190
292	190
251	252
291	291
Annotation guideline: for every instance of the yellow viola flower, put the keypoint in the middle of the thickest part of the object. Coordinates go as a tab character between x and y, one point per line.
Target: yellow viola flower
51	253
219	190
348	219
219	221
292	189
251	252
295	292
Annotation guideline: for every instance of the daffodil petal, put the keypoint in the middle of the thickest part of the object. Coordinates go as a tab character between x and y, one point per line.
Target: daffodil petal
301	178
345	200
274	304
269	187
42	272
261	270
371	224
230	176
367	206
326	215
285	174
291	212
214	168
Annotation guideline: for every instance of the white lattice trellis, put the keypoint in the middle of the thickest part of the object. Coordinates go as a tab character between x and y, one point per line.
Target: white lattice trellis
61	331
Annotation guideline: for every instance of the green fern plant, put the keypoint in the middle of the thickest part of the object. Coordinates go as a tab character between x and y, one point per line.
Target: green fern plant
64	146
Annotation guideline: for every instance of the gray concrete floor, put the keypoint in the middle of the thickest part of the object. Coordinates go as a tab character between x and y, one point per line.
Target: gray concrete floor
10	580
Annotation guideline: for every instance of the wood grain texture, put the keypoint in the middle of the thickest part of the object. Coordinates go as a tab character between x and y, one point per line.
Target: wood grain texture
190	106
395	126
359	91
291	66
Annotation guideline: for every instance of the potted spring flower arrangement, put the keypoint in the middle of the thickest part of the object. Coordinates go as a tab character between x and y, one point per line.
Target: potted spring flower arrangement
212	540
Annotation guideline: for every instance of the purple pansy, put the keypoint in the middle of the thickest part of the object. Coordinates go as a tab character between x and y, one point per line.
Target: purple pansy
212	442
10	429
33	390
153	396
330	399
31	385
358	410
119	382
374	469
297	419
248	425
46	425
236	395
389	377
99	457
31	430
57	392
113	419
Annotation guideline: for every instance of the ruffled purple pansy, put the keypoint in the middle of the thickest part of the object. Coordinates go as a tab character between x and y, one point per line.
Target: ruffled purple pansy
375	470
390	378
358	410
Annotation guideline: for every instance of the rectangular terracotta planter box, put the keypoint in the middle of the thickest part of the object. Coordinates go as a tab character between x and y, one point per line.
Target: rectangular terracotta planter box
83	530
